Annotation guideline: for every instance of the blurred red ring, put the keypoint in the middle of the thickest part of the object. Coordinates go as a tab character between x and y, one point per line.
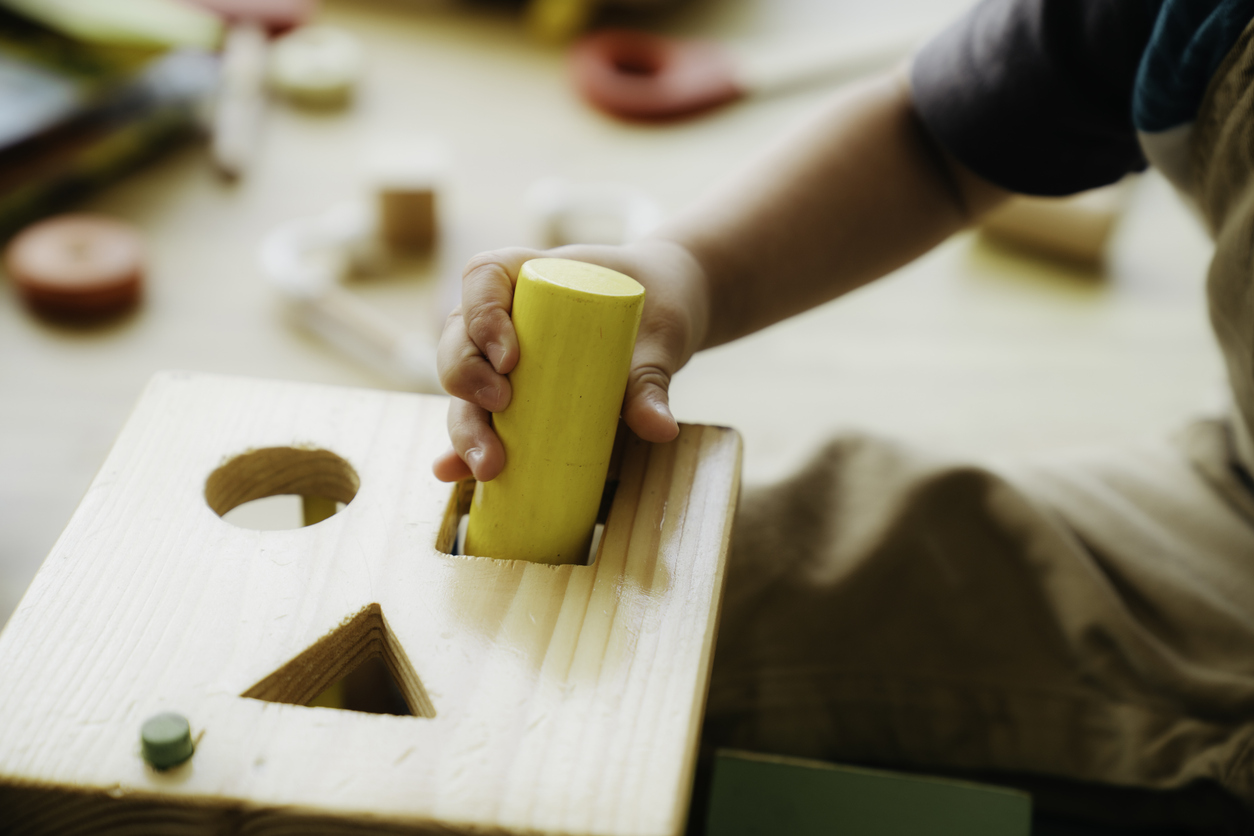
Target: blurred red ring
641	76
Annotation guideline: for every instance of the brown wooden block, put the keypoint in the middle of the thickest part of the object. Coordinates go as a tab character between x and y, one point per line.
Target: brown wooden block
407	217
545	699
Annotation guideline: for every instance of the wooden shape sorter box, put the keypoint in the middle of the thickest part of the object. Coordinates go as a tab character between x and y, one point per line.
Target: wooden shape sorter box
545	699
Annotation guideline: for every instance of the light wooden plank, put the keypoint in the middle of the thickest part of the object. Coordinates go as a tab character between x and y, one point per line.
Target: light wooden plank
560	699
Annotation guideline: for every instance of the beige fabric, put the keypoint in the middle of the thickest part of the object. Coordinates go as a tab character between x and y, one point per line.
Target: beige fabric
1089	617
1223	164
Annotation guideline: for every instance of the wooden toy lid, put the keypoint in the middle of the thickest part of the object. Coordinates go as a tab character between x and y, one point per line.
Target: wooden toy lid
77	264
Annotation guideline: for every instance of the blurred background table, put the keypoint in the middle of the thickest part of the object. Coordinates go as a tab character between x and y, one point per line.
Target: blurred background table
974	350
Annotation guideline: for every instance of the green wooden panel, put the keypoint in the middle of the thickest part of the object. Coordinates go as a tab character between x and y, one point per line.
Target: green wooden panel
763	795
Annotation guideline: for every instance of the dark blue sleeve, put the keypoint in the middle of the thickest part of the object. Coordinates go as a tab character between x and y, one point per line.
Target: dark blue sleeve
1190	39
1036	95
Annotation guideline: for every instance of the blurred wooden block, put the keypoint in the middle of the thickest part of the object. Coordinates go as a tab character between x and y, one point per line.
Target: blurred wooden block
407	220
545	699
407	178
1075	229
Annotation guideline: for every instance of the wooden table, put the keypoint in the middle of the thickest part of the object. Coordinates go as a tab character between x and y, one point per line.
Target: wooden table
972	349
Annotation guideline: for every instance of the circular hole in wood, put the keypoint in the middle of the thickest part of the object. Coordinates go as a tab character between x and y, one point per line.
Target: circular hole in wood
281	487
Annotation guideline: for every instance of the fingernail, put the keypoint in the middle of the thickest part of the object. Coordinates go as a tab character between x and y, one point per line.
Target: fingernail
474	456
496	355
489	397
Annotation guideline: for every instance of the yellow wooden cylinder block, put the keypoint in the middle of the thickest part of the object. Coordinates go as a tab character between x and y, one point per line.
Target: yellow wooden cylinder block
576	326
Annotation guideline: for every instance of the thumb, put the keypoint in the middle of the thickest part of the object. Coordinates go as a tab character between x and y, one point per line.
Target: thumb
646	408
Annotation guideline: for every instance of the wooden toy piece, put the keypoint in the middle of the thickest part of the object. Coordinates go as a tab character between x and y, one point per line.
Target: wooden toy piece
565	212
407	217
641	75
1074	229
406	179
166	740
315	509
240	100
316	66
576	326
306	258
542	699
78	266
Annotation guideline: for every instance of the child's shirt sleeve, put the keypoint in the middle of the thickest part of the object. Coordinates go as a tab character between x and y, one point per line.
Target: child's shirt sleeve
1036	95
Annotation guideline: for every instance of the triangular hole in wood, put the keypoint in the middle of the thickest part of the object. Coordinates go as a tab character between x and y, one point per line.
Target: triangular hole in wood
358	666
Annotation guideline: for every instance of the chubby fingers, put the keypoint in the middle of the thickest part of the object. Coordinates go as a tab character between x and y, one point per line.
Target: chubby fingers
476	450
479	346
464	372
477	349
449	467
487	298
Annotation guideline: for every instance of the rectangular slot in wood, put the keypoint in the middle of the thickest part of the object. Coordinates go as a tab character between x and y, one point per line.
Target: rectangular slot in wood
453	524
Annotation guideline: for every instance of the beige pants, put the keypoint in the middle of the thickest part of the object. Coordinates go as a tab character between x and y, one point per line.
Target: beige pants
1091	619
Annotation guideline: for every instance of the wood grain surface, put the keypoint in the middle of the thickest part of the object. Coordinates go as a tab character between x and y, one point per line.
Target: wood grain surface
548	699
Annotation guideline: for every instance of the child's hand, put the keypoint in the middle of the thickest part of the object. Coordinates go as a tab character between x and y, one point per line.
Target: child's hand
479	347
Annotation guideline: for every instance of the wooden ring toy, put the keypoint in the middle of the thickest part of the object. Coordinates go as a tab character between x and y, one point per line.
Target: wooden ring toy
78	265
642	76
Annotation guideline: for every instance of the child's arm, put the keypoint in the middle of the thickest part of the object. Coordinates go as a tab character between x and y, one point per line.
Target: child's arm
853	195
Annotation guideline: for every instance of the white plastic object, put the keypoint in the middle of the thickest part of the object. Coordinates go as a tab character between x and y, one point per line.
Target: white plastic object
305	259
316	65
564	212
240	99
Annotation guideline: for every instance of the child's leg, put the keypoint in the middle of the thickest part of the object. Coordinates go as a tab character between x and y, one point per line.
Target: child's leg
1093	619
